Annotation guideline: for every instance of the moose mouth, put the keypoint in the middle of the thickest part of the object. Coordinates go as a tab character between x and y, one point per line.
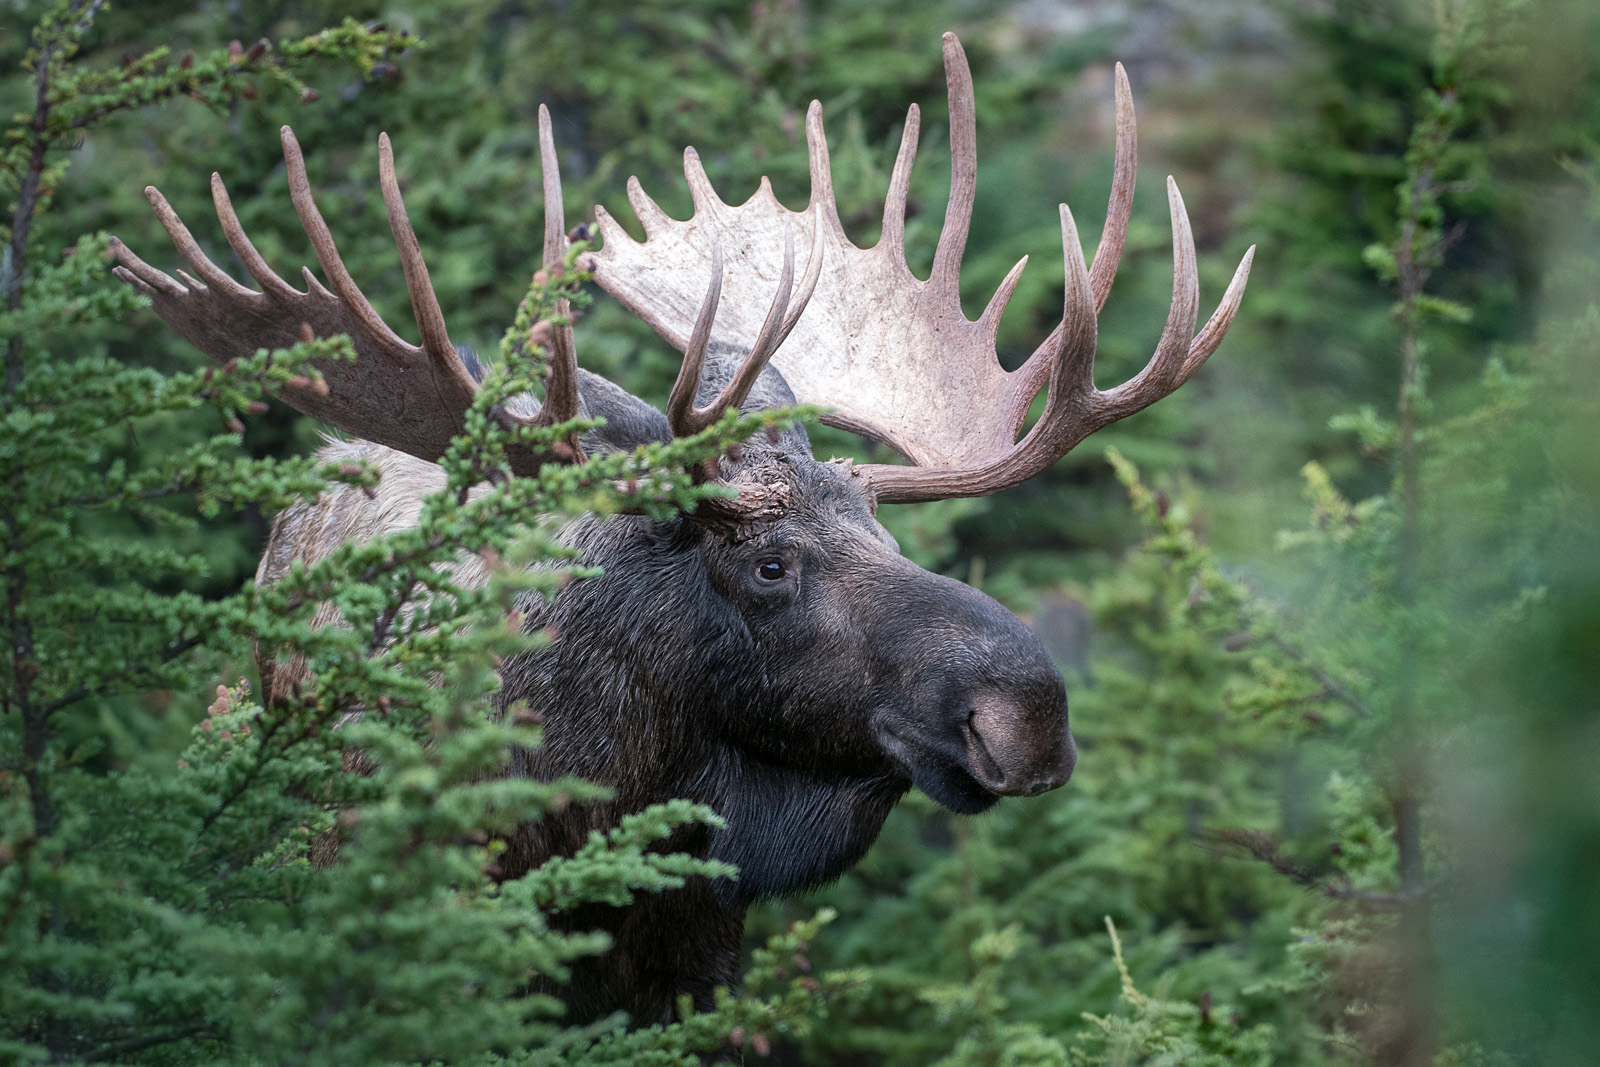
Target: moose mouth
948	777
984	766
960	769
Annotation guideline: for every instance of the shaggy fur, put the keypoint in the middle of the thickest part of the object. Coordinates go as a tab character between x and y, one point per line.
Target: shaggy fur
800	709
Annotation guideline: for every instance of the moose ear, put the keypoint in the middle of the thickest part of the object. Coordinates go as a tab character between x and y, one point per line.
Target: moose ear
630	422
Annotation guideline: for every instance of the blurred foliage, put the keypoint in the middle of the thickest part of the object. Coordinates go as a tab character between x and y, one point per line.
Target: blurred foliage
1223	880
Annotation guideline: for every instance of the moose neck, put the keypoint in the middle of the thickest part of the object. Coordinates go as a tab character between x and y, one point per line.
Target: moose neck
635	694
788	829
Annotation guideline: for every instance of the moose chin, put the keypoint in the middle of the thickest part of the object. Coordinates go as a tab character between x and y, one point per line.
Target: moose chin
771	655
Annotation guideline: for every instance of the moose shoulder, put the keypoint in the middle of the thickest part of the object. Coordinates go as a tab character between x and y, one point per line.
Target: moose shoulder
772	655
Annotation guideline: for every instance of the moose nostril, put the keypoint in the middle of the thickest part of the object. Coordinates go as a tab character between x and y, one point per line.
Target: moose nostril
982	761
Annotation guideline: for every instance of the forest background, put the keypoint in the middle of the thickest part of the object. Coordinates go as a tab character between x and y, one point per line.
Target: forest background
1330	615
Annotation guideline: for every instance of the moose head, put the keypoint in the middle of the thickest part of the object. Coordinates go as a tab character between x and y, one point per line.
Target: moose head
772	654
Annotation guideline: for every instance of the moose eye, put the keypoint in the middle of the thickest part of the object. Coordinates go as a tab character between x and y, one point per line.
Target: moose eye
770	570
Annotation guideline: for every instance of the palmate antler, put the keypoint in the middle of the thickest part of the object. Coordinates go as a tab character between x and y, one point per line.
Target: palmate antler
398	394
895	357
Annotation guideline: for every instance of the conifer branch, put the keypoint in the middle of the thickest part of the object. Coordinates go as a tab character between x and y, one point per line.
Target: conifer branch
138	1044
124	677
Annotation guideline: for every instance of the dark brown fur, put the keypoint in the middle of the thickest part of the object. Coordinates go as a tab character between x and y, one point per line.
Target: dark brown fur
800	709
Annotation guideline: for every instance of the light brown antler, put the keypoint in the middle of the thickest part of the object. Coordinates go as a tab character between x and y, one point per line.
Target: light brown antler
895	357
561	401
782	315
408	397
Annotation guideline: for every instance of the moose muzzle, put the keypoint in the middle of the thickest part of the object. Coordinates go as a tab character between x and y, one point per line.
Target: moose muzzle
1011	752
987	710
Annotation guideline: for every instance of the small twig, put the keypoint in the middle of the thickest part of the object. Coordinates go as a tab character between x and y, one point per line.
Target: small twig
135	1044
1334	688
1260	845
268	732
380	631
14	270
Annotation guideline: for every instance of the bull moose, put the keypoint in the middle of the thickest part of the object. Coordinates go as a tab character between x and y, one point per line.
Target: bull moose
770	655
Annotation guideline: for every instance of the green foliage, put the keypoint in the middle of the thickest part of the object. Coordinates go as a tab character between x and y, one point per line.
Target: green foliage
185	909
774	1007
1262	717
1164	1031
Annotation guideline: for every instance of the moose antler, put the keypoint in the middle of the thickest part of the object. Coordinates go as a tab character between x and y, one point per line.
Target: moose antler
895	357
398	394
775	328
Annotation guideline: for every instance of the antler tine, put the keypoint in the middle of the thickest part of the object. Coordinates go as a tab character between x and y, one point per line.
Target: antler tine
648	212
893	236
680	404
701	192
1072	371
781	317
1120	208
963	168
555	212
1107	257
149	280
1164	372
990	319
424	301
254	263
210	274
823	203
772	332
1216	327
354	300
808	286
1071	381
561	399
